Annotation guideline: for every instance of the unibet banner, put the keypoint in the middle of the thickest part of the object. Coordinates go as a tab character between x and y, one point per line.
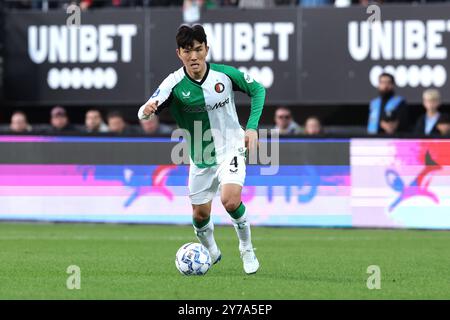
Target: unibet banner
301	55
262	43
344	51
121	56
99	61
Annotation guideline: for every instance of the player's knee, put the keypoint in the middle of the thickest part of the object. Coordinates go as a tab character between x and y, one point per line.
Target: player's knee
231	204
199	214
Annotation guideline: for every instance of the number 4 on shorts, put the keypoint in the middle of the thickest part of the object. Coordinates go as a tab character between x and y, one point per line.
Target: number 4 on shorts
234	162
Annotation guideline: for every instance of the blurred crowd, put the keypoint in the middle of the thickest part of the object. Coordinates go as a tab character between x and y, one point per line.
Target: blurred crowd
95	123
388	114
92	4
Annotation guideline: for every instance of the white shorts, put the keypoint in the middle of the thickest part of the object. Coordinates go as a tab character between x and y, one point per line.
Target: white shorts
204	182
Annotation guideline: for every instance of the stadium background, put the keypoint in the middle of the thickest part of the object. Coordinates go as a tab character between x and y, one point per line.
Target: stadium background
321	75
310	60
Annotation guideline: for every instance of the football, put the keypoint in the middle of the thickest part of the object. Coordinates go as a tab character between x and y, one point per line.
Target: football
193	259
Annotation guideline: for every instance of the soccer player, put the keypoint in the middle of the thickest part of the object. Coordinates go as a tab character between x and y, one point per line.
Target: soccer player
200	97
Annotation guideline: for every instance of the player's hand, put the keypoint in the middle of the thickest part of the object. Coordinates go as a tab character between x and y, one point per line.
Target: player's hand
151	108
147	110
389	127
251	140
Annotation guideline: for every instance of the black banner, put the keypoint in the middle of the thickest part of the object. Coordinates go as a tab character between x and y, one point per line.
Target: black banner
145	151
101	61
344	52
227	309
262	43
301	55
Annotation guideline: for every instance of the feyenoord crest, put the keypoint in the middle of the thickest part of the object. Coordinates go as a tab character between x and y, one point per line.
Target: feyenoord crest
219	87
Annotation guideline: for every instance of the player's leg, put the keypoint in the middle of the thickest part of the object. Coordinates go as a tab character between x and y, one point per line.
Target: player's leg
202	189
231	200
232	176
204	229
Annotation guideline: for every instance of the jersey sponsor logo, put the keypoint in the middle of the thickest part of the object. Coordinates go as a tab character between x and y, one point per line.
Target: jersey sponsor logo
218	105
208	107
194	109
186	95
219	87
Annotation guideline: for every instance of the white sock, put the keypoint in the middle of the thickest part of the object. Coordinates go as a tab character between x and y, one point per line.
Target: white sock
206	237
242	227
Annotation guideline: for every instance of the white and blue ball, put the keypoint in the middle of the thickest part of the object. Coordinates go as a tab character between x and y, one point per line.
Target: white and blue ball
193	259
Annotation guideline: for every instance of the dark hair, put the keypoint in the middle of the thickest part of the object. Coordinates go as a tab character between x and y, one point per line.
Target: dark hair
186	35
390	76
115	114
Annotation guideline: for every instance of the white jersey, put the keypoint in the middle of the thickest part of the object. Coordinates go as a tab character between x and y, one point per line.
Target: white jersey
206	110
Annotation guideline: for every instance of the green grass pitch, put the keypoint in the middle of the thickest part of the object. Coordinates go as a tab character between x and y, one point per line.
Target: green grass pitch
137	262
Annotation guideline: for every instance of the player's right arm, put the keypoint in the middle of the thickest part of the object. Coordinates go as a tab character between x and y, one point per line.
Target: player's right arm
160	99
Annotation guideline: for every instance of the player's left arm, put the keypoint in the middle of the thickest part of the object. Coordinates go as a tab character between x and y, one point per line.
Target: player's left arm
245	83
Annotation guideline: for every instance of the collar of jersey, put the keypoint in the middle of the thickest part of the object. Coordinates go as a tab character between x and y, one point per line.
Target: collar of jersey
195	81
